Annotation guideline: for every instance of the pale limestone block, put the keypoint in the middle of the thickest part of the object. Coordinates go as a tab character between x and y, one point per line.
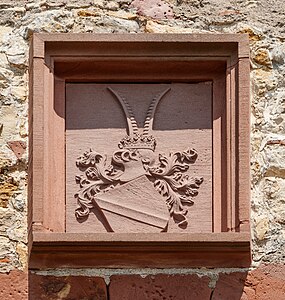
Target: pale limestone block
4	62
4	30
112	5
261	228
18	231
123	15
22	252
8	117
154	27
275	158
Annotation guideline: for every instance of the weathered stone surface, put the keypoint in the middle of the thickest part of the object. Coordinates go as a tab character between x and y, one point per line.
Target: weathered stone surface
264	22
78	3
22	250
8	119
6	192
123	15
93	21
275	156
253	34
18	201
88	13
267	282
71	287
154	27
156	9
9	259
262	57
230	287
6	222
127	287
14	285
16	50
261	228
18	147
112	5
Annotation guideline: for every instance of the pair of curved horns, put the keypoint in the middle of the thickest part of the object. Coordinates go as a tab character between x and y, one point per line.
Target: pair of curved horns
131	121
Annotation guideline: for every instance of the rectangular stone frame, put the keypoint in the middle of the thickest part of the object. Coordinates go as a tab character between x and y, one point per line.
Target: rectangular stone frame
59	58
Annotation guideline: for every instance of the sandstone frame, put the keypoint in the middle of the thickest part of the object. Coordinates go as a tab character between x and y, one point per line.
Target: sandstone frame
56	59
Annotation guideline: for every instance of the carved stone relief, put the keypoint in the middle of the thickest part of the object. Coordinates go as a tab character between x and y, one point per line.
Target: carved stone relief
140	186
117	187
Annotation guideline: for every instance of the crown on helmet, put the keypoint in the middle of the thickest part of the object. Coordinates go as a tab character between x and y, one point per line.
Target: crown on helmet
138	141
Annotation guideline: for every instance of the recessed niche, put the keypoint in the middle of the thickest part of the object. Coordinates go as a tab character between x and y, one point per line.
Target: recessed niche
139	152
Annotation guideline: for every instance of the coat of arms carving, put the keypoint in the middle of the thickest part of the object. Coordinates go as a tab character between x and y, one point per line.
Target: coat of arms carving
137	182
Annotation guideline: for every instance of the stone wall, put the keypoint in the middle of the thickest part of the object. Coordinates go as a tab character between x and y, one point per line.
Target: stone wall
264	21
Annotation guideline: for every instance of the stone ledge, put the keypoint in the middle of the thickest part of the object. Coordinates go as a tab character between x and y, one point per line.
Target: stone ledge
65	250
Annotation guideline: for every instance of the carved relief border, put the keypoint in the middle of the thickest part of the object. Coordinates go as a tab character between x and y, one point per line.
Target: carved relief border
59	58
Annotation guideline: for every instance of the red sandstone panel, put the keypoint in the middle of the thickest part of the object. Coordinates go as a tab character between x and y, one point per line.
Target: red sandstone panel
158	178
60	58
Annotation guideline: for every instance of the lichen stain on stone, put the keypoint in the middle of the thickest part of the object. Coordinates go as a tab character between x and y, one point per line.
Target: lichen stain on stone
88	13
6	192
275	171
64	292
53	287
253	37
262	57
263	81
22	251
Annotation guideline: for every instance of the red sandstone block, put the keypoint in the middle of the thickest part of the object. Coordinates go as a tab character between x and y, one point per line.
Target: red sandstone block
230	286
18	147
264	283
14	286
159	287
67	288
156	9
